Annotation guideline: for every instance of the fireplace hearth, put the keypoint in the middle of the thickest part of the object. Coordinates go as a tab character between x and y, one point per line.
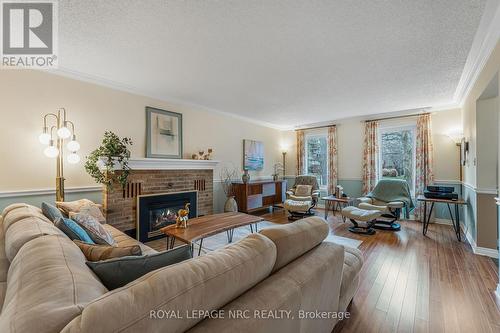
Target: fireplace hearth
156	211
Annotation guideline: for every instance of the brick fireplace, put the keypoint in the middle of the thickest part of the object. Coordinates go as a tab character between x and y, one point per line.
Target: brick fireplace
158	176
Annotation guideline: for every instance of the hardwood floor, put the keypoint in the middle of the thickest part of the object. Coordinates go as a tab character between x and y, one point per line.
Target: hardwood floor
416	283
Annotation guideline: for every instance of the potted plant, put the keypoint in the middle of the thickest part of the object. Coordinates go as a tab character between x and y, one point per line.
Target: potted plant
227	175
102	163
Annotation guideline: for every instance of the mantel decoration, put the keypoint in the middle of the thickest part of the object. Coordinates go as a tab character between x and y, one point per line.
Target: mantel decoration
55	145
102	163
227	175
202	155
164	133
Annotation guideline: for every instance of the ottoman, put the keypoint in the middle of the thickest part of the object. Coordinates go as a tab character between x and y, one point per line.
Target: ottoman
367	217
298	209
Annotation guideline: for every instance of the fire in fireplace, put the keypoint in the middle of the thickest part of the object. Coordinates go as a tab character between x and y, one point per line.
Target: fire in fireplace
160	210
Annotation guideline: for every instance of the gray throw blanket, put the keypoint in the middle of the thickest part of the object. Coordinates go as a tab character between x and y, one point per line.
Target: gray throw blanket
393	190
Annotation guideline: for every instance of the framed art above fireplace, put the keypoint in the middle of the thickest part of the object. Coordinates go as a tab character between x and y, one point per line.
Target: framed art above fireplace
164	133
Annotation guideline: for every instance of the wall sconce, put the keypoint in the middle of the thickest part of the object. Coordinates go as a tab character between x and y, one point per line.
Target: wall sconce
55	145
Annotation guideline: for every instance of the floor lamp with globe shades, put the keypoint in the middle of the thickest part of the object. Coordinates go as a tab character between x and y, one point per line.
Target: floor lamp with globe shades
55	145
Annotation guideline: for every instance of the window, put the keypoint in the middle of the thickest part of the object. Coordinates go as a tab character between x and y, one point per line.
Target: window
316	158
397	154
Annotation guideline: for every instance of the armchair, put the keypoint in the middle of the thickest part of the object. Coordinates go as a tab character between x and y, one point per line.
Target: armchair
389	197
302	196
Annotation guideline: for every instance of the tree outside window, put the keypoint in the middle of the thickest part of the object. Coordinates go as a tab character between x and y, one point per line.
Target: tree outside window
316	158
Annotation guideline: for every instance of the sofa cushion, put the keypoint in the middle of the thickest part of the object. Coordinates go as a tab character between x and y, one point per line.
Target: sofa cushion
48	285
116	273
94	252
353	261
294	239
123	240
303	190
73	230
25	230
17	212
51	212
93	227
205	283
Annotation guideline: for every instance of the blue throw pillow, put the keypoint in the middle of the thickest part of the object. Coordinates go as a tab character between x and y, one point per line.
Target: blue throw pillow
51	211
73	230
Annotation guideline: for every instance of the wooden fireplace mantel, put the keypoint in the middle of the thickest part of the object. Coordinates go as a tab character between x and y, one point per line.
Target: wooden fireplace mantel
170	164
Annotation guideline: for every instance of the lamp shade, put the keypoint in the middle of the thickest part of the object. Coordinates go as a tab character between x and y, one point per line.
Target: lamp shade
73	146
51	151
73	158
44	138
63	132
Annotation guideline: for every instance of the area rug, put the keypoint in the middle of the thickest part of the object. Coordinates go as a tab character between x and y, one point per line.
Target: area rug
220	240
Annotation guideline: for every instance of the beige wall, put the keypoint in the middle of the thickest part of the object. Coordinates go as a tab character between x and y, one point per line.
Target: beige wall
350	134
487	141
26	95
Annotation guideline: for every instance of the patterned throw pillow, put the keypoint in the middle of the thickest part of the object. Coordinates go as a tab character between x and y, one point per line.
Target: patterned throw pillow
93	228
73	230
51	212
82	206
103	252
303	190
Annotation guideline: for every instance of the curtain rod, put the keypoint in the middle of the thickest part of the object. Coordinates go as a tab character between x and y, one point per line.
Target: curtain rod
315	127
396	117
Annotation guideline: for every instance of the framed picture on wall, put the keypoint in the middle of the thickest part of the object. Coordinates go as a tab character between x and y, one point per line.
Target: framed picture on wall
164	133
253	155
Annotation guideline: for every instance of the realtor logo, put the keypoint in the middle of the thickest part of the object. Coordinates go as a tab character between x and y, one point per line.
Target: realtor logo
29	34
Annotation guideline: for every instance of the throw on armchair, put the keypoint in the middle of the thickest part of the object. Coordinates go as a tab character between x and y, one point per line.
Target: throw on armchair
302	197
389	197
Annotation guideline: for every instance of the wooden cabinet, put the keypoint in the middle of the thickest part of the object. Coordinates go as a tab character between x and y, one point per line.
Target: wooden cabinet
259	194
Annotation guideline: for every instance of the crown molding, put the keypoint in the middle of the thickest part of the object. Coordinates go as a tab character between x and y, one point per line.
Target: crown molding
485	40
93	79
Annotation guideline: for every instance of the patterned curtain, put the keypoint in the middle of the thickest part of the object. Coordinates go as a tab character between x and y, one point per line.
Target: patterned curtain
300	152
423	169
332	159
370	157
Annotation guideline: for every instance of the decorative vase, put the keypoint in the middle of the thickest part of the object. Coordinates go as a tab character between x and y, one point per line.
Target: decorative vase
275	177
231	205
245	177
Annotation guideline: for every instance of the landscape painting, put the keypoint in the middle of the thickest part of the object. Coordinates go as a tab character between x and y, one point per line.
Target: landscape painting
253	155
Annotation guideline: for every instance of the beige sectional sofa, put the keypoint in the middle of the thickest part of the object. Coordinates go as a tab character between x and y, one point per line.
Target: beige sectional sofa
267	282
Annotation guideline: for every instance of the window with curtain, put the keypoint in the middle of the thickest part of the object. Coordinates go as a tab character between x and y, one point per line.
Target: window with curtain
316	156
397	153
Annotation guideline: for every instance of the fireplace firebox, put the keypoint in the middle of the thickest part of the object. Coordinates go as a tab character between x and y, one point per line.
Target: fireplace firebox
156	211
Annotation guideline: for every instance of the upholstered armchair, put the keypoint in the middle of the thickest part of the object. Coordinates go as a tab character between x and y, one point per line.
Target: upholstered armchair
306	188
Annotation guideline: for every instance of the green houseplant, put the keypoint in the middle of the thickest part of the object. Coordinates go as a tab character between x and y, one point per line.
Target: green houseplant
101	163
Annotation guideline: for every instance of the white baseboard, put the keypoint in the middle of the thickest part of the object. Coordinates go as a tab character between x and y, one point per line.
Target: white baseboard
482	251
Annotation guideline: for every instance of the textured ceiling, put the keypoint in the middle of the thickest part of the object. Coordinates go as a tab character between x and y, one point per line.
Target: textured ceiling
283	62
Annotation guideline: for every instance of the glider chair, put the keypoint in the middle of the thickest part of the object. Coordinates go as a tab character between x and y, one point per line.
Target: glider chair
381	208
302	197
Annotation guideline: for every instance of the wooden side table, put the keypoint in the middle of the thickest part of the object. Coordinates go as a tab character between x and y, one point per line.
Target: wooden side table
334	203
427	216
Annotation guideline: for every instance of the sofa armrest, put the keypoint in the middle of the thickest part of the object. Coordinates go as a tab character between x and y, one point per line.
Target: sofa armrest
396	204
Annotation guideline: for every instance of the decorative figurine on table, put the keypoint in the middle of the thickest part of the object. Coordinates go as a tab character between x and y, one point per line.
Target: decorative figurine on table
182	217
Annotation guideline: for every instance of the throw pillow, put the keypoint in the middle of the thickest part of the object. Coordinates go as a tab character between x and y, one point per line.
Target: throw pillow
102	252
73	230
51	211
82	206
93	228
116	273
303	190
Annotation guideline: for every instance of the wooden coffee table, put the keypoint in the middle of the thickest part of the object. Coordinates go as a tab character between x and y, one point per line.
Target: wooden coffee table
209	225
